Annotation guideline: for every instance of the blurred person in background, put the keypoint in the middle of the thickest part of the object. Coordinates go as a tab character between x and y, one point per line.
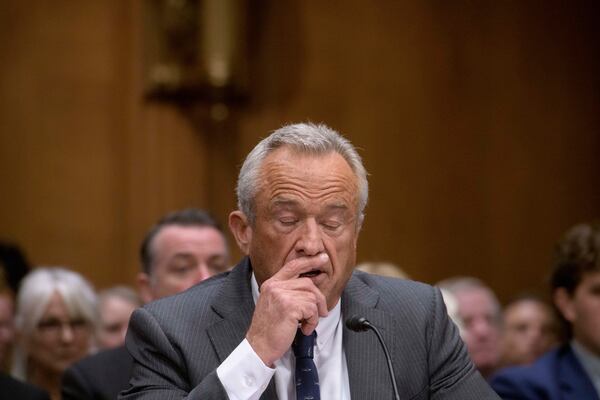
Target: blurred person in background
571	371
479	313
55	322
14	265
7	331
383	269
115	306
530	330
180	250
12	269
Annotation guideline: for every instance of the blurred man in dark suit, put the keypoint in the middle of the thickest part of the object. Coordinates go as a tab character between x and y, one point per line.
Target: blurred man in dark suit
182	249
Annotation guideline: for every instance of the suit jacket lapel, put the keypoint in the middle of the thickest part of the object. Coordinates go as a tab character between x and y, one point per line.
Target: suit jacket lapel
235	309
573	380
367	366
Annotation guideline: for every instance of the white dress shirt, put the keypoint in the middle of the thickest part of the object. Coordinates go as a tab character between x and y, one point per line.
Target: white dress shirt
590	363
245	377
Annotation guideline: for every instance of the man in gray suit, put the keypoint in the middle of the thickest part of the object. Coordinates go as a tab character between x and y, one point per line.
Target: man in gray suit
301	197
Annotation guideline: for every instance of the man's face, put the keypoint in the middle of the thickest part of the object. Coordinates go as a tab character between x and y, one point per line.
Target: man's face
529	331
306	205
582	310
481	331
183	256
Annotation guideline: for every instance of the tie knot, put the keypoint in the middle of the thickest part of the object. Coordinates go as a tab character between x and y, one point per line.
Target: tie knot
303	345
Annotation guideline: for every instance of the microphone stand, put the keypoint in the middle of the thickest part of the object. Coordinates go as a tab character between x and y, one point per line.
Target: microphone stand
361	324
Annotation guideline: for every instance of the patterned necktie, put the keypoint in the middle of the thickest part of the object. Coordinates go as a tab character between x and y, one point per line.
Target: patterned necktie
307	378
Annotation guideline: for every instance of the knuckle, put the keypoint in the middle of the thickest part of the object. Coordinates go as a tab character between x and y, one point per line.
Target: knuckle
267	286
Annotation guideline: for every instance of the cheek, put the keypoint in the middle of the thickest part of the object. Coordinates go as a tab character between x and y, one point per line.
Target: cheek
40	344
170	280
343	251
83	342
591	315
41	352
272	248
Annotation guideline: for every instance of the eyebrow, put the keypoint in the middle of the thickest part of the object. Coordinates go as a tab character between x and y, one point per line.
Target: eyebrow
337	206
185	256
290	203
280	201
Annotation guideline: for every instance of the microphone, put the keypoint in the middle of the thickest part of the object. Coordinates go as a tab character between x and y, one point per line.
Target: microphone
361	324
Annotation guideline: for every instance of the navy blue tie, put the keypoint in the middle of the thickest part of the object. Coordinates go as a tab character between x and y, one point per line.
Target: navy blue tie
307	378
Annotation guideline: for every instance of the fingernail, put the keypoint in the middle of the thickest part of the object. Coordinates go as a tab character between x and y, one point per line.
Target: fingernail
324	256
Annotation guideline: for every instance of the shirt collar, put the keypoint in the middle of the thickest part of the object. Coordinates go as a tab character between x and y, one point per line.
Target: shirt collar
327	325
589	360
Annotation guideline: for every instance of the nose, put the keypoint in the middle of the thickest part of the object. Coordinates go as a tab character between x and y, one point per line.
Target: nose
203	272
66	333
482	328
310	242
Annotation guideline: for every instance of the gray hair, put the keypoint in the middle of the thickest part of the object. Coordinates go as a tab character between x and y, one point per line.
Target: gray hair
121	292
32	299
467	283
306	138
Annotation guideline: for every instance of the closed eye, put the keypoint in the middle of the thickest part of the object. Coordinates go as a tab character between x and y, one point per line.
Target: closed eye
288	221
332	225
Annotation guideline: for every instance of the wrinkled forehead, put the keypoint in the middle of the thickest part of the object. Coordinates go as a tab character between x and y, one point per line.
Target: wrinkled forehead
287	169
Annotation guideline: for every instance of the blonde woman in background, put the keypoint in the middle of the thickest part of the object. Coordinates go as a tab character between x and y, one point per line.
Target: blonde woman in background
55	322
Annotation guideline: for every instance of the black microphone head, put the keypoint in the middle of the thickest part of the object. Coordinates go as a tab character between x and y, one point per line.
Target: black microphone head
357	323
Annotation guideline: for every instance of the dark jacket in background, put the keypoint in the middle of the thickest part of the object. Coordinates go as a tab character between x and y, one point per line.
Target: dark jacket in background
557	375
11	388
99	377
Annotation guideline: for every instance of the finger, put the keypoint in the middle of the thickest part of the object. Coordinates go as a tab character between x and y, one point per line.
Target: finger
310	313
298	266
310	321
299	285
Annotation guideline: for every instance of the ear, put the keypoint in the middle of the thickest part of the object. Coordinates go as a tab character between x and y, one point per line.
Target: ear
565	304
241	230
144	287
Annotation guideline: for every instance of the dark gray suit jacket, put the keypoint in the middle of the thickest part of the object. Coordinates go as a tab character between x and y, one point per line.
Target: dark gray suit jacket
178	342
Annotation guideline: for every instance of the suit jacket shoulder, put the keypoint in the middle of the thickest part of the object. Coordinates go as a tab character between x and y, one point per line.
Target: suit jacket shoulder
178	342
11	388
429	358
557	375
99	377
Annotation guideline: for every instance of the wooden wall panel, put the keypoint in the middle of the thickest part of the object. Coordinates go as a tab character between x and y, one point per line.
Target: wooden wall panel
478	123
61	134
